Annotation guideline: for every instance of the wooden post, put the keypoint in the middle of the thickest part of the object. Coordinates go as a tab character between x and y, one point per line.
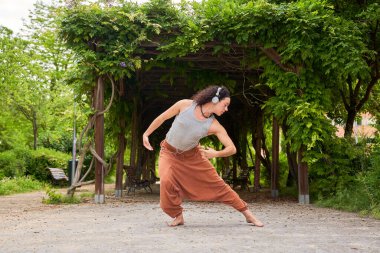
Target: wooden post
257	165
120	155
257	144
134	141
303	183
275	158
99	141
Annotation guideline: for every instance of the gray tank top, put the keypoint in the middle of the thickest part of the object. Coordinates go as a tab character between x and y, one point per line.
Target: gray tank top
186	130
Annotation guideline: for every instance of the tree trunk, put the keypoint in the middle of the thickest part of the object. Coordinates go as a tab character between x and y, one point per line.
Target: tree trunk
293	167
291	158
348	130
353	104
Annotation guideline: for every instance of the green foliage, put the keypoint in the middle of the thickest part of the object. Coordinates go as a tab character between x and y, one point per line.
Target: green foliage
314	50
55	198
59	141
32	71
20	162
338	164
284	170
42	159
13	163
105	39
362	195
308	126
348	178
10	186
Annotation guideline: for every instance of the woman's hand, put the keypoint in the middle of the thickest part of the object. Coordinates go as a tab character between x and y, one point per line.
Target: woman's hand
208	153
146	142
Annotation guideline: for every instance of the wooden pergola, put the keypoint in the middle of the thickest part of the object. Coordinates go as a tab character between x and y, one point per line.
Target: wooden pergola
148	103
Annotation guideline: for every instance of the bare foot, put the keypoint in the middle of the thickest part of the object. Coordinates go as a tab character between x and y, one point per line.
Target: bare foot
177	221
250	218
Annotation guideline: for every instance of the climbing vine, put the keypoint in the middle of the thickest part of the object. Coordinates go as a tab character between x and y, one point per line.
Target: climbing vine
302	52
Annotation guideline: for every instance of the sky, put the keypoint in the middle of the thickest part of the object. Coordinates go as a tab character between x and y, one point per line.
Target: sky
13	11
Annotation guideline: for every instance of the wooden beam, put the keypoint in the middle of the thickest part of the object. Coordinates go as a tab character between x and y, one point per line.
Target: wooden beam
275	158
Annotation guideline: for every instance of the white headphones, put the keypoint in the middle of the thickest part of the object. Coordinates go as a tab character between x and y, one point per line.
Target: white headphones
215	99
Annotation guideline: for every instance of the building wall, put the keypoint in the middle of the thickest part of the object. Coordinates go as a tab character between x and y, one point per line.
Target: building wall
363	128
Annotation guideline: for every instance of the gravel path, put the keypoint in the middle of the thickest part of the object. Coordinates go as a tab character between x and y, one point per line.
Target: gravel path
137	224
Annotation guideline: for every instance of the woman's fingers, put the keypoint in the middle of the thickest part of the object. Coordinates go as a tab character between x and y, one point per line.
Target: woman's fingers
148	146
207	152
146	143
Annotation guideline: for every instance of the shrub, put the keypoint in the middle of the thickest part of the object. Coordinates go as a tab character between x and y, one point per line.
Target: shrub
336	167
42	159
362	194
370	182
24	162
13	163
58	198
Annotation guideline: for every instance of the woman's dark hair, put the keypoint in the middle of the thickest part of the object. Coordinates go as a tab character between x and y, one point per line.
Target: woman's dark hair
204	96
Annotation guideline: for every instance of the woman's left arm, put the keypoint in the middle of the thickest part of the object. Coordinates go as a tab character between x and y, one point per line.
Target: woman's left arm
229	148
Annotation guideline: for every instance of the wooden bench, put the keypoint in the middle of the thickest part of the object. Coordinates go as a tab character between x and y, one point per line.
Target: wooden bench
139	184
58	174
242	180
134	183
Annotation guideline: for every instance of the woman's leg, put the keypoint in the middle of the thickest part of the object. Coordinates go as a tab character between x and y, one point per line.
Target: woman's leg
199	180
170	195
250	218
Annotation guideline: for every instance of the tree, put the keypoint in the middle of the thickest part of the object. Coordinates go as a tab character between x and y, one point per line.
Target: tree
55	61
33	72
12	127
357	89
17	79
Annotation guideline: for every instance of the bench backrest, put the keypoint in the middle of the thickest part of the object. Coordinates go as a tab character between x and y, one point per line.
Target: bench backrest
58	174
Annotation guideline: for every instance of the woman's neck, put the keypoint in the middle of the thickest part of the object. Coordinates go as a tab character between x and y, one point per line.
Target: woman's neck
204	113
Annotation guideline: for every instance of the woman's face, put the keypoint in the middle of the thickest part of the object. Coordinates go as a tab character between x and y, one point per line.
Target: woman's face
222	106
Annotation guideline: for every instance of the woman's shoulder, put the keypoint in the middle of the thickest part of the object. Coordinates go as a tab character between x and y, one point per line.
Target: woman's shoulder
185	103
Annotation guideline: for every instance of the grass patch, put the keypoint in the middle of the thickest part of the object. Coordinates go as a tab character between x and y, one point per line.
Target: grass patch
10	186
86	195
352	201
56	198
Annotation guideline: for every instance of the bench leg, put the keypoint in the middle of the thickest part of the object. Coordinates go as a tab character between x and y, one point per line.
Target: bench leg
150	189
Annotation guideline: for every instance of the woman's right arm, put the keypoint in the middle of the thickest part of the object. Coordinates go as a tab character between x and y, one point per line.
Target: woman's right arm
157	122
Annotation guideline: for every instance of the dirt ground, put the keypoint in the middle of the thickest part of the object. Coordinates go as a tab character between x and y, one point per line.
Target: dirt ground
135	223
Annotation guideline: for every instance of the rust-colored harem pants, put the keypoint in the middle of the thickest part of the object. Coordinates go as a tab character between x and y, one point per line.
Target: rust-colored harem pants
187	175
